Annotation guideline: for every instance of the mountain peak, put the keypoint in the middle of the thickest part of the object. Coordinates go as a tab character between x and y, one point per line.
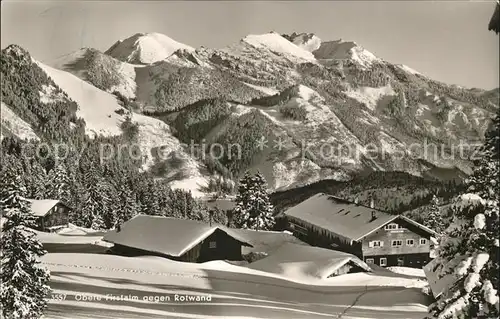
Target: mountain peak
15	49
306	41
17	53
342	50
277	43
145	48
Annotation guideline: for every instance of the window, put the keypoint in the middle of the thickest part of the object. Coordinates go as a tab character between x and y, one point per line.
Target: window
391	226
410	242
383	262
397	243
423	241
376	243
212	244
369	260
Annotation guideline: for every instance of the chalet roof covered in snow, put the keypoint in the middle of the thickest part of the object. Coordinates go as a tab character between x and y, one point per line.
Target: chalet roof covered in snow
40	207
265	241
306	261
344	218
164	235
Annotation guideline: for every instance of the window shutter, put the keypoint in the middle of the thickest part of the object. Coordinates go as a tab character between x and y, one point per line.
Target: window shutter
370	244
381	244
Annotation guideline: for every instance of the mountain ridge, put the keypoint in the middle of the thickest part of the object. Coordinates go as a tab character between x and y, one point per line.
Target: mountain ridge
318	98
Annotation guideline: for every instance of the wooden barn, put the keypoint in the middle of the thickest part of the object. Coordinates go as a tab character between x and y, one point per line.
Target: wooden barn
176	239
50	213
374	236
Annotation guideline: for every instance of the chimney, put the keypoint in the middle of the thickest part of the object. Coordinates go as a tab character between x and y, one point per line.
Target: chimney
372	205
210	216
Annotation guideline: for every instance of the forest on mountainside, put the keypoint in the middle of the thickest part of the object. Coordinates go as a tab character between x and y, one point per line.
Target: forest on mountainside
68	165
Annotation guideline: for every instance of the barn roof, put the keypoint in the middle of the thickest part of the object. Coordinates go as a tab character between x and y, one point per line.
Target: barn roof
292	259
164	235
40	207
494	24
264	240
344	218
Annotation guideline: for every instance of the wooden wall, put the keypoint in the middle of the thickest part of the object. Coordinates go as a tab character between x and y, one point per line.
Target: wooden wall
409	231
226	248
57	216
317	236
409	260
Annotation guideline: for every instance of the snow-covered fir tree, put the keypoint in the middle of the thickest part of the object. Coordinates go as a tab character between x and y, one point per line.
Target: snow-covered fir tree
253	209
128	207
434	219
97	209
469	248
58	184
24	282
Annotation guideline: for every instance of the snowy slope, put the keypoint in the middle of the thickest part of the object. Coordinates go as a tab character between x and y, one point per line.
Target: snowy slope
98	108
408	69
276	43
306	41
232	290
145	48
370	96
321	126
345	50
79	64
13	124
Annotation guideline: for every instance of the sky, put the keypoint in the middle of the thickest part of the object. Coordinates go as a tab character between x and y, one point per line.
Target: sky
446	40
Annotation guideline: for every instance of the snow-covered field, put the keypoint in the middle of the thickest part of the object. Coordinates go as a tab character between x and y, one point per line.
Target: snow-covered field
89	285
107	286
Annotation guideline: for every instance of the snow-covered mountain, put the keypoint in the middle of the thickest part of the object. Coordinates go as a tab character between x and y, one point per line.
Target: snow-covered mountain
297	89
307	41
145	48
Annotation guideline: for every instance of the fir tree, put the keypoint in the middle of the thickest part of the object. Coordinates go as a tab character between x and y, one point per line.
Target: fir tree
434	219
58	186
128	207
24	283
469	249
253	208
96	212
